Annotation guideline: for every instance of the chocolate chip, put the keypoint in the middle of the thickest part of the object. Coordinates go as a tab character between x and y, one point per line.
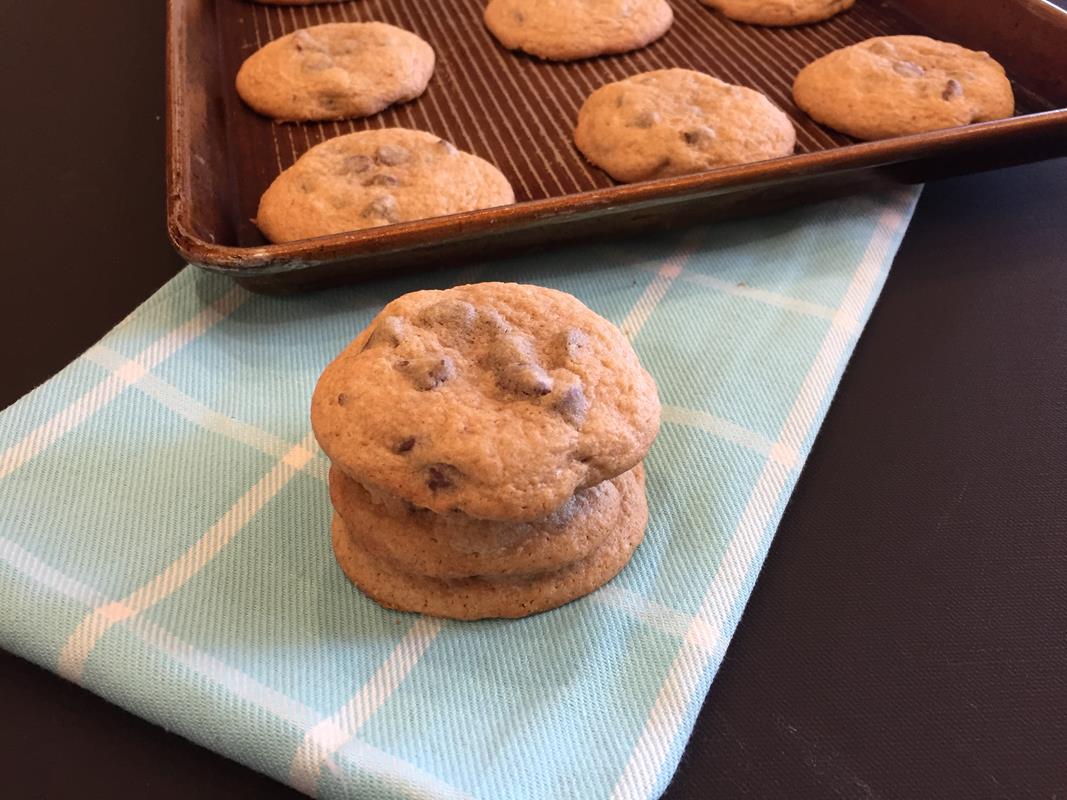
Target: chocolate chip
530	379
404	446
700	135
381	179
644	120
567	345
490	321
345	47
953	89
392	154
355	164
303	40
389	330
513	360
383	207
427	372
448	313
441	476
908	69
342	399
572	405
442	370
330	102
509	349
316	62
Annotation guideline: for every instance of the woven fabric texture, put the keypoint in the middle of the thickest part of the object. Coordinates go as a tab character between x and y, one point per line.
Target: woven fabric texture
164	521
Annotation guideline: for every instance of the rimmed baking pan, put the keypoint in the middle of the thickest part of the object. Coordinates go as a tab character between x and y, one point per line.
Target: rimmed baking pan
519	113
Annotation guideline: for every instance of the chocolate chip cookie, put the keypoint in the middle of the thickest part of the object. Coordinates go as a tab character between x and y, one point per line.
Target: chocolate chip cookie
564	30
341	70
896	85
481	597
496	400
779	12
678	121
377	177
453	545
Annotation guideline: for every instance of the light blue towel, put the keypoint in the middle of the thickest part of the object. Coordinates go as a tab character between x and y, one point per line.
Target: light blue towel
164	522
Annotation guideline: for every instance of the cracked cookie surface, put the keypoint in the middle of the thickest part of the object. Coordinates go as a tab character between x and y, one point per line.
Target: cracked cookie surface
377	177
496	400
896	85
676	122
564	30
341	70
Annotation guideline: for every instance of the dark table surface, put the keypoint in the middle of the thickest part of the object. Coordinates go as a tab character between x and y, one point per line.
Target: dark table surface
906	637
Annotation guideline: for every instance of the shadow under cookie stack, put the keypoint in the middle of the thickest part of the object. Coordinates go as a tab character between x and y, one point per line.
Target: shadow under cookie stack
486	445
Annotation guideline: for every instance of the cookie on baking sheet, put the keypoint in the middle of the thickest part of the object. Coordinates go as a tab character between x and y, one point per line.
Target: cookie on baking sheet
454	545
498	400
478	598
340	70
896	85
377	177
779	12
565	30
678	121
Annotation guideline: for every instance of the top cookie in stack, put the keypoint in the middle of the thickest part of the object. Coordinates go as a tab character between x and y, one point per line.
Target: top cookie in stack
497	400
506	415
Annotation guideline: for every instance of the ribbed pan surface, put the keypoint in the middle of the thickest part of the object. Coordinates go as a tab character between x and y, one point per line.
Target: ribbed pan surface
511	109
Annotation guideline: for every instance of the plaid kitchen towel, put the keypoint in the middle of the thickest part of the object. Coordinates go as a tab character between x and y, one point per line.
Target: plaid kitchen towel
164	522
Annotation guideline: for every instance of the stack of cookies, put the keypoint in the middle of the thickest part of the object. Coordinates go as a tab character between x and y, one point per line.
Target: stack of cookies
486	445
